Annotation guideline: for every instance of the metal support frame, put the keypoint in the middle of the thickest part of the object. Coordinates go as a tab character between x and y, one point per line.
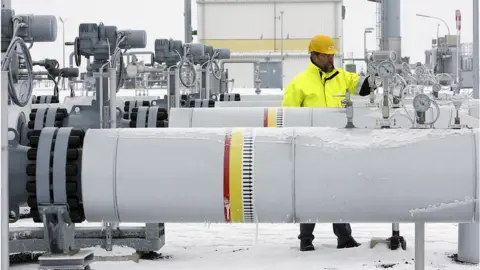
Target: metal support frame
4	171
419	246
476	41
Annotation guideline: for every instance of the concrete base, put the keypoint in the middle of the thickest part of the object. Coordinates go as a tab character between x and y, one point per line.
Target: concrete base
80	260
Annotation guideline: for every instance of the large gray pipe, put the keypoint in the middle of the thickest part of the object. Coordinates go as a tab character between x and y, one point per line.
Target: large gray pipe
391	31
279	175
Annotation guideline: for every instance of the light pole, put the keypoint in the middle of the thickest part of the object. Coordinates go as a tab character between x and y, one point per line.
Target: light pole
436	18
63	20
367	31
448	29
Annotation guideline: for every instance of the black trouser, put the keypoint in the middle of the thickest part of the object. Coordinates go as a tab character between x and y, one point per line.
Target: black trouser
343	231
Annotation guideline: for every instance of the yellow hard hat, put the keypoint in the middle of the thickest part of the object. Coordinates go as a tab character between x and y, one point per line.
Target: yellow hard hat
322	44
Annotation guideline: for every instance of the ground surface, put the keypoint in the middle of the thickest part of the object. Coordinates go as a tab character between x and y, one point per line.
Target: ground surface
226	246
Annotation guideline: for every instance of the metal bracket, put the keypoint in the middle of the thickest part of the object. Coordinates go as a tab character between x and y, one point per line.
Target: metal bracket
58	227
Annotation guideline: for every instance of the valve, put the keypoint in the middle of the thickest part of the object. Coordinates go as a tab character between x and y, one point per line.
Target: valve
386	71
348	105
51	66
457	101
258	81
16	30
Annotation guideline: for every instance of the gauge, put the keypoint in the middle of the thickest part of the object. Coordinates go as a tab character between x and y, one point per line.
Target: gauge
406	69
420	70
436	87
372	68
393	56
421	103
386	69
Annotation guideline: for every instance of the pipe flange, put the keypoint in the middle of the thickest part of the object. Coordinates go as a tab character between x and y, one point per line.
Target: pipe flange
55	159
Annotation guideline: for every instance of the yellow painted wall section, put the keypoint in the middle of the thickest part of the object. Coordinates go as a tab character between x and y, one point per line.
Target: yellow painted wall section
256	45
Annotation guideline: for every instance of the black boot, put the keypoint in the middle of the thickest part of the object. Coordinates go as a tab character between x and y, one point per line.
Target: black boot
347	243
306	245
306	236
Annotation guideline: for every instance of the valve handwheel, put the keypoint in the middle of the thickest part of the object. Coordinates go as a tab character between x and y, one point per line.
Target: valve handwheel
76	52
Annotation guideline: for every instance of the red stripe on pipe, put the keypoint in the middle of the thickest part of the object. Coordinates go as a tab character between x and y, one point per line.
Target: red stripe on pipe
265	117
226	178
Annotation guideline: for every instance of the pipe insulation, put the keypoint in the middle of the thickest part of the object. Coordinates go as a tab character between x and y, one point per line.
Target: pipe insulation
279	175
301	117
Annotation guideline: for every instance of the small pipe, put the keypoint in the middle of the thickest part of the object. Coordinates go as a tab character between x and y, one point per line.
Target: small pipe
112	72
100	93
70	59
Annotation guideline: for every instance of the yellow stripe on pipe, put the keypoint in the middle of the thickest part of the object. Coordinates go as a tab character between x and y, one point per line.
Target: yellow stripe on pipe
272	117
235	173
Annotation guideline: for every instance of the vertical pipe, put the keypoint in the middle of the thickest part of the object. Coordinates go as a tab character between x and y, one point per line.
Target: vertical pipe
281	49
177	87
457	75
4	171
391	32
281	34
203	87
419	246
63	46
365	46
338	61
476	71
458	24
275	25
207	82
188	20
112	80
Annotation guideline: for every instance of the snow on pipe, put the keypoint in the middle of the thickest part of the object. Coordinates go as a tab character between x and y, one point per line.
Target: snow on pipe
298	117
279	175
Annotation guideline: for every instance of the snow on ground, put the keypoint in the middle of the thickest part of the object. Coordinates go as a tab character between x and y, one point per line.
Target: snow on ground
232	246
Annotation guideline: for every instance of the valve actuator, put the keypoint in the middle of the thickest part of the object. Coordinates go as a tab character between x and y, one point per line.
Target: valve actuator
100	41
168	51
31	28
222	53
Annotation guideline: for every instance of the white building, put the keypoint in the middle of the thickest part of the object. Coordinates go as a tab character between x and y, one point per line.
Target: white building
266	30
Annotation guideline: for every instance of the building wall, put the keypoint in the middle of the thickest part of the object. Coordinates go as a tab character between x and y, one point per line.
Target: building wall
252	28
256	25
244	73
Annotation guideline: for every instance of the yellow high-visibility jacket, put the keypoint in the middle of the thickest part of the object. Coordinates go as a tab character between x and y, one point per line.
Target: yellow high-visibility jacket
315	88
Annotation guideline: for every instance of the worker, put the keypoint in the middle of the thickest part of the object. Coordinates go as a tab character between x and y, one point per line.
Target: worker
317	87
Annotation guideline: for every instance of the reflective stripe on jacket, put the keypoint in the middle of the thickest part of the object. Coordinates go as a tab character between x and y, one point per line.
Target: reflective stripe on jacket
314	88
